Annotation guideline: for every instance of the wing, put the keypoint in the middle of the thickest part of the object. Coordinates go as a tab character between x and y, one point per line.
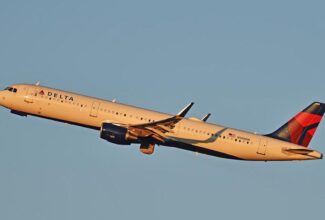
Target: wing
158	129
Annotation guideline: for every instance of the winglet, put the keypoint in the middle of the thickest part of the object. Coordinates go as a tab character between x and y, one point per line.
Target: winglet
205	118
185	110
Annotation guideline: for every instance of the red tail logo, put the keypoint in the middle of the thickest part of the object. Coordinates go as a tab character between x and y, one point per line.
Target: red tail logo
300	129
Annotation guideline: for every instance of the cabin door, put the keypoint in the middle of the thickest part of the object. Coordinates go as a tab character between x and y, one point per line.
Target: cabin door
262	146
31	93
94	109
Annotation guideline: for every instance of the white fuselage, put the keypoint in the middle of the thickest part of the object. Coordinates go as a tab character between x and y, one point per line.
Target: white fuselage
203	137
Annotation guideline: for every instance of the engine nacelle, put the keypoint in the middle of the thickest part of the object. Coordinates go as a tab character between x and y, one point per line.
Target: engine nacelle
116	134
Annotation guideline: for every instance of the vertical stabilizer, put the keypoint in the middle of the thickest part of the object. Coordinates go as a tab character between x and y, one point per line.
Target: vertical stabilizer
301	128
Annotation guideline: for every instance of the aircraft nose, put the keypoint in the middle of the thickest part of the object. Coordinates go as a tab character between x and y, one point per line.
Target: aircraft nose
2	98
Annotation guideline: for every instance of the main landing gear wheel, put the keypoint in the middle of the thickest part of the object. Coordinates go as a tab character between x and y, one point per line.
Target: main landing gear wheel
147	148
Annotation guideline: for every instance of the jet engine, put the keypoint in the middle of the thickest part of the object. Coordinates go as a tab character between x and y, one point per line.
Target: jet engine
116	134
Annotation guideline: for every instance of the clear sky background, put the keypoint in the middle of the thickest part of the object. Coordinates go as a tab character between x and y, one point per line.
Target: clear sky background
252	64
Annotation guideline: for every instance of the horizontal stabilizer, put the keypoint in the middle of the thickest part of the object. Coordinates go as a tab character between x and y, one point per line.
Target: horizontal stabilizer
305	152
299	151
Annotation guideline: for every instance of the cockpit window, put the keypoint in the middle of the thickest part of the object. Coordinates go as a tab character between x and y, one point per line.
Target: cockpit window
10	89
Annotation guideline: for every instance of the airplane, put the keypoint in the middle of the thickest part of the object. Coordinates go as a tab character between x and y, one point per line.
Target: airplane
125	125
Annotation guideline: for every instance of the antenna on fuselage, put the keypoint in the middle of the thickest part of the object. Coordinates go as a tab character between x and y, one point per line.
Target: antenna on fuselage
37	84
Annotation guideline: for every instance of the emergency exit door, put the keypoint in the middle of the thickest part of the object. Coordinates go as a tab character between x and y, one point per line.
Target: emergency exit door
94	109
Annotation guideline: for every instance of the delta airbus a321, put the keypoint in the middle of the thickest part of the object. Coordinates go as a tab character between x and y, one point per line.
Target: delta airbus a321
125	125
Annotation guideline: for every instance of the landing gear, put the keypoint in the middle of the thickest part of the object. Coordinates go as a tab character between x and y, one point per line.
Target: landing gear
147	148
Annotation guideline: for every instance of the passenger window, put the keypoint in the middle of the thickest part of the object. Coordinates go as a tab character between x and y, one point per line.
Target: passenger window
14	90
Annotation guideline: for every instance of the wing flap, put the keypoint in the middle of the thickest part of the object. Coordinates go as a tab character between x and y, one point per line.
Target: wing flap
158	129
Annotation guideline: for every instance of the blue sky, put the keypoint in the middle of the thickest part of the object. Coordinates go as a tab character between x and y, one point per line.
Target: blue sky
252	64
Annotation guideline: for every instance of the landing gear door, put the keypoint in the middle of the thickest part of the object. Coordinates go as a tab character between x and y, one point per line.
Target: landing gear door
94	109
262	147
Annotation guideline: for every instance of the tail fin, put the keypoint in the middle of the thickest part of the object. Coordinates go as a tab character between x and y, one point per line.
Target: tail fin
301	128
